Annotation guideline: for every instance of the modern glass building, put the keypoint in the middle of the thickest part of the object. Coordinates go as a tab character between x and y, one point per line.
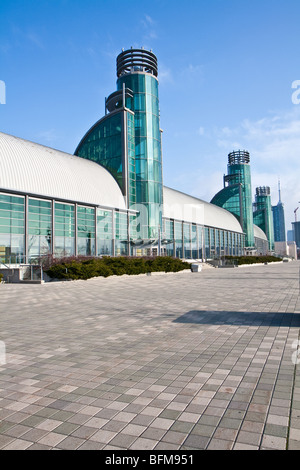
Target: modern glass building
296	233
262	213
279	220
108	199
236	196
52	203
127	140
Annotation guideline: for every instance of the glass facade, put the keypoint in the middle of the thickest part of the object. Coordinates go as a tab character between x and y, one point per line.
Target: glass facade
194	242
39	228
86	233
121	234
104	233
168	237
131	160
89	231
263	215
148	166
64	239
127	142
104	145
12	228
279	223
178	236
236	197
200	242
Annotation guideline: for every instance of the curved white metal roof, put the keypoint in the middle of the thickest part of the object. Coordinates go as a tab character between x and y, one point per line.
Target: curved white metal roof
32	168
181	206
259	233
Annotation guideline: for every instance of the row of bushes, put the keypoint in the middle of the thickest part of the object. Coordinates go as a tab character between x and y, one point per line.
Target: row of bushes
239	260
106	266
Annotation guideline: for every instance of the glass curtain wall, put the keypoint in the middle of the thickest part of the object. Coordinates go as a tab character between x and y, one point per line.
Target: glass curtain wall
212	242
263	215
178	239
207	243
86	231
12	228
121	234
200	241
103	144
39	228
131	160
148	166
104	233
194	242
64	241
132	233
169	237
236	197
187	240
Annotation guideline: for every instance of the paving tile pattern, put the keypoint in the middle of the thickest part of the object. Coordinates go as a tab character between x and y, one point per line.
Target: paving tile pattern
168	362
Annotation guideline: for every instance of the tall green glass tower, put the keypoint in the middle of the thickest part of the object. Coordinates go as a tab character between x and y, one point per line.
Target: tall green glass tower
236	196
127	140
262	215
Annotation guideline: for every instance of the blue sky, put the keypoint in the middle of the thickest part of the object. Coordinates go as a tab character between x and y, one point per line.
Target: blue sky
226	69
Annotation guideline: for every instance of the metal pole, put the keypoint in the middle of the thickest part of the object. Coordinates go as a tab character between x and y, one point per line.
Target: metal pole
159	241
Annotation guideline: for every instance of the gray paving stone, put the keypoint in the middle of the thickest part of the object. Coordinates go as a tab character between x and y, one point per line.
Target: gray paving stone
176	369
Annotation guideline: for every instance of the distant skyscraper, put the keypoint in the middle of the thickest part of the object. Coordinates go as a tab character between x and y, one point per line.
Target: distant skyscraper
296	230
290	236
262	215
278	220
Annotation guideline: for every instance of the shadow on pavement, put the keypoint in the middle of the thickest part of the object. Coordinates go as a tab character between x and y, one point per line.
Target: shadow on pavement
205	317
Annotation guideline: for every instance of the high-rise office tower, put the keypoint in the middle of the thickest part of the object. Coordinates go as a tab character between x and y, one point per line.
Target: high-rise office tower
278	219
127	140
296	233
262	215
236	196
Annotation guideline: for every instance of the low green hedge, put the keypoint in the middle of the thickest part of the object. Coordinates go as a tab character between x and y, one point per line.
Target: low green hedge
239	260
106	266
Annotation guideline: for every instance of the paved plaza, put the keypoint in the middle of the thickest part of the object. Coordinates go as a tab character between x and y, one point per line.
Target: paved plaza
183	361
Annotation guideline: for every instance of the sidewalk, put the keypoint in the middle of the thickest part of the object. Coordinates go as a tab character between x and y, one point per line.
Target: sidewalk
181	361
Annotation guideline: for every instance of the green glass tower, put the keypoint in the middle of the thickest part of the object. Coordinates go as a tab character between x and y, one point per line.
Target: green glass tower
137	71
127	140
262	215
236	196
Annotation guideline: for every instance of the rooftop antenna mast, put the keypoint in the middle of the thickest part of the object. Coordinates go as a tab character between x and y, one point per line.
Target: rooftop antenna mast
295	212
279	191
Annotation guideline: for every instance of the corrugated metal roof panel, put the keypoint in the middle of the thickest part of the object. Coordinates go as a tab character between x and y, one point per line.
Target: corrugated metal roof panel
33	168
181	206
259	233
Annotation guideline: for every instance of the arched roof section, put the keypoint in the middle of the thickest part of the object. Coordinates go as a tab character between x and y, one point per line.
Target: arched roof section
181	206
259	233
38	170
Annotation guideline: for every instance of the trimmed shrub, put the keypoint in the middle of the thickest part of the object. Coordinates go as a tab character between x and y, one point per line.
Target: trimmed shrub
253	259
106	266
